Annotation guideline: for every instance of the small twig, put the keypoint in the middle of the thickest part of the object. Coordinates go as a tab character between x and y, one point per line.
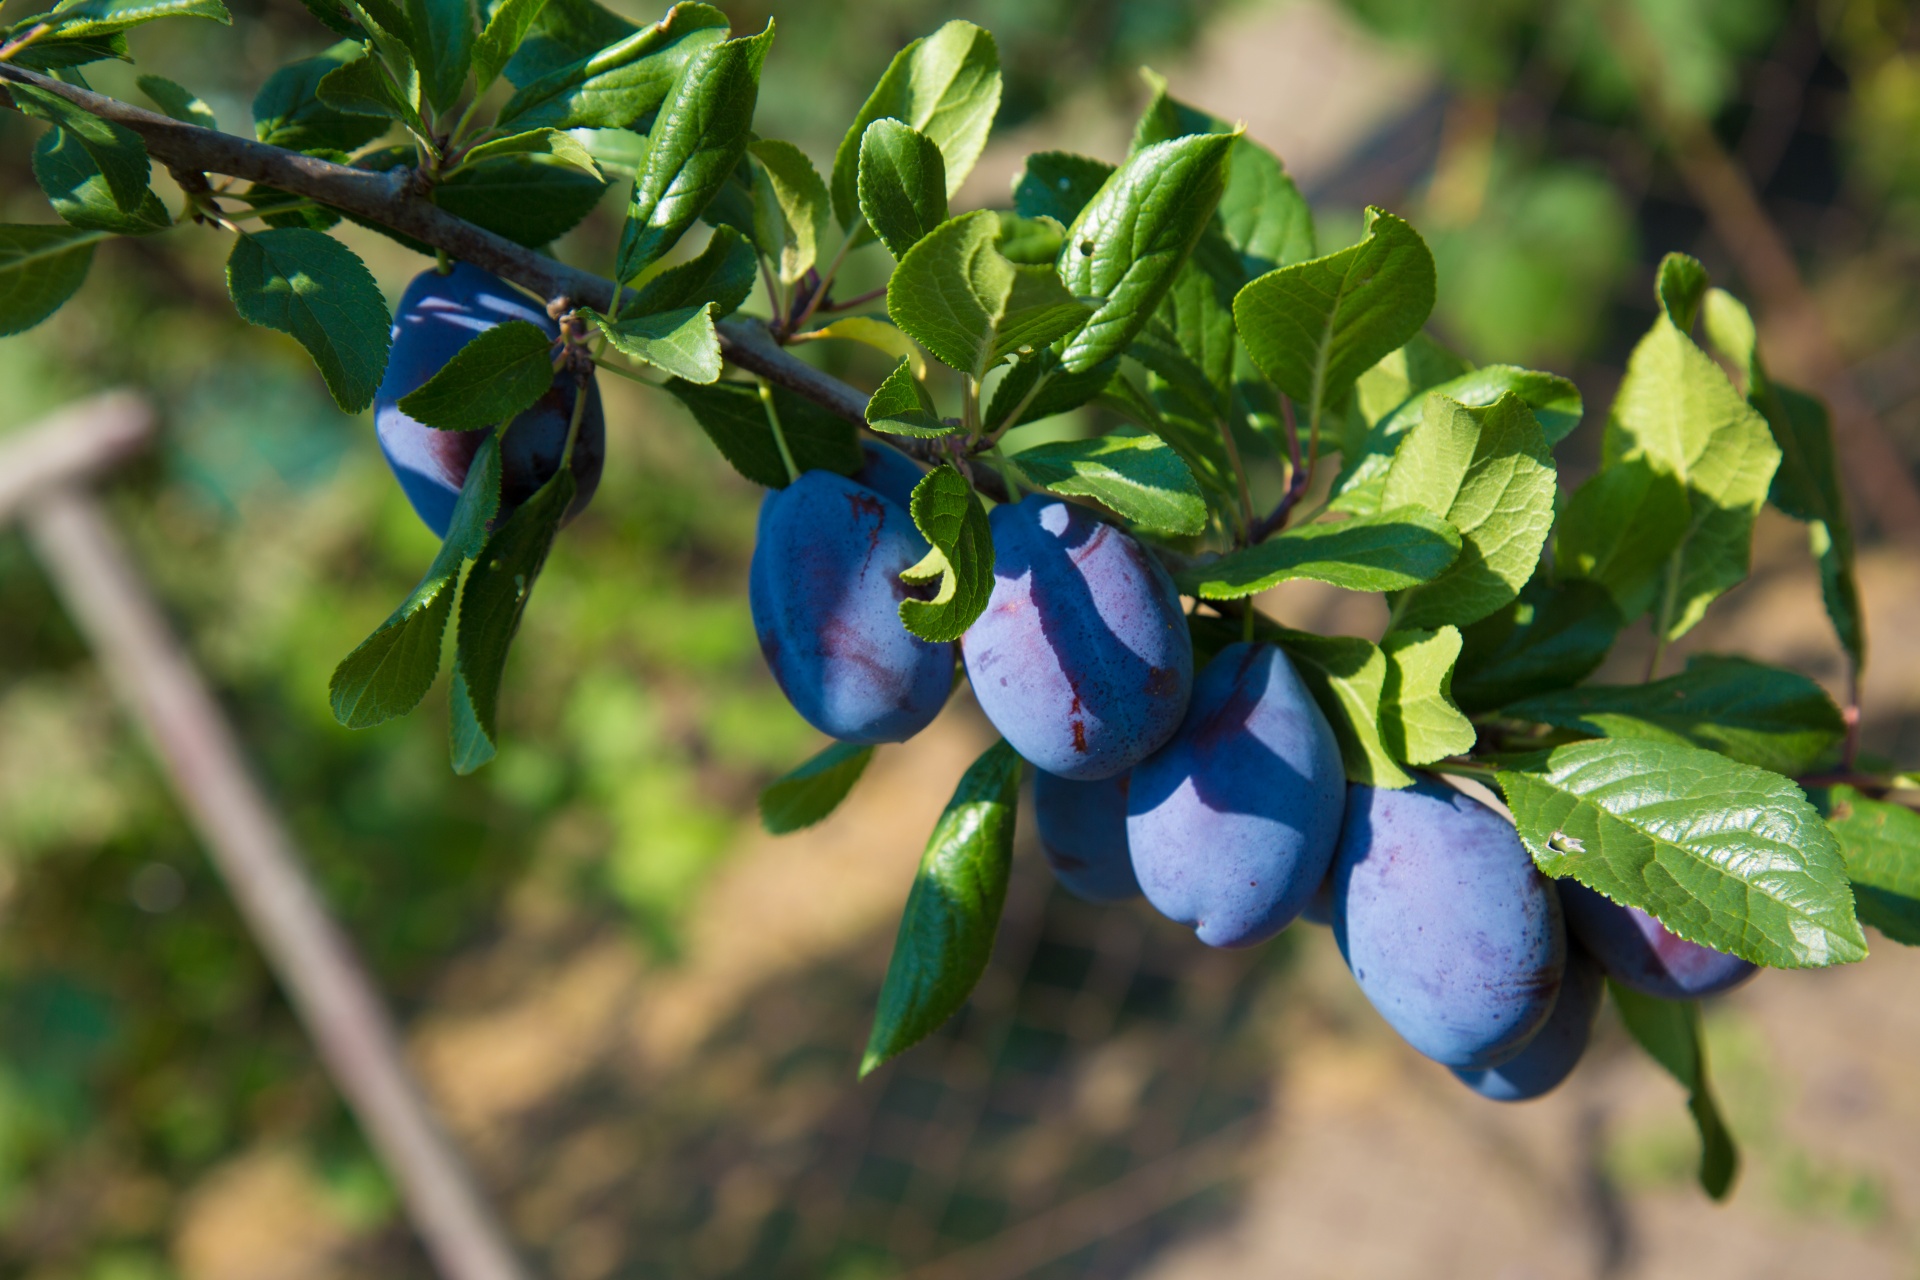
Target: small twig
826	280
1297	477
871	295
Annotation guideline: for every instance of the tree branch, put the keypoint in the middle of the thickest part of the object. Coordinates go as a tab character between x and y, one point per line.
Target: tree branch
392	200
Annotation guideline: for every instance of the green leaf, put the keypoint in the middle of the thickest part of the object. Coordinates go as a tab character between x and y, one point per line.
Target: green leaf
1670	1032
1058	185
901	406
1058	391
55	53
313	287
806	795
1762	715
287	112
1881	844
1316	326
963	301
682	342
1677	416
1489	473
392	669
567	32
365	87
1549	638
1722	853
506	29
1620	530
1139	477
40	268
1348	677
696	141
946	85
1554	400
1397	379
442	45
872	331
1807	484
491	606
334	16
620	85
108	17
498	375
734	418
563	147
529	199
722	274
948	514
801	195
1030	242
1419	722
179	103
1128	245
620	152
1386	552
953	910
78	190
117	153
902	184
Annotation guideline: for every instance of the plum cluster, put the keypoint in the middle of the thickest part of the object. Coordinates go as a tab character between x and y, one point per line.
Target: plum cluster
1220	797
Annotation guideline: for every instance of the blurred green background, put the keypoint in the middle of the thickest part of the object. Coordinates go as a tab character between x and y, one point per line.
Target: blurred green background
142	1044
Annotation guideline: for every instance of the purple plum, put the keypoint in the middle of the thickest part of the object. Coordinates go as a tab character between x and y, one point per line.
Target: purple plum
1555	1049
1233	823
890	473
825	591
1638	951
1083	832
1446	924
1082	659
438	315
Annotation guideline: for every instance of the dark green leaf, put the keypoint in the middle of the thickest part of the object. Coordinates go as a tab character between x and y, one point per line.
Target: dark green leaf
1129	243
722	274
442	45
1062	392
392	669
504	33
528	199
902	184
40	268
287	112
616	86
1316	326
953	910
946	85
569	31
1765	716
1139	477
495	378
949	515
1058	184
335	17
1620	530
696	141
364	87
313	287
1386	552
800	194
78	191
563	147
900	406
734	418
1670	1032
808	794
1549	638
117	153
491	606
1722	853
1881	844
682	342
181	104
57	53
89	18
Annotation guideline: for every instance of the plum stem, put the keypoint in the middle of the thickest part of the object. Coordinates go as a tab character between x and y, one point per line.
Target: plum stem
579	412
779	436
1297	476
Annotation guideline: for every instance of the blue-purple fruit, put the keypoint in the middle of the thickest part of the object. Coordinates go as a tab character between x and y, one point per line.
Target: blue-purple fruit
1447	926
1639	952
890	473
1556	1048
1233	823
1082	659
1083	832
825	590
438	315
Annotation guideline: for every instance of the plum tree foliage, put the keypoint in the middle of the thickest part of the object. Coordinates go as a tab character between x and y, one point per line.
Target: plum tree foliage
1268	408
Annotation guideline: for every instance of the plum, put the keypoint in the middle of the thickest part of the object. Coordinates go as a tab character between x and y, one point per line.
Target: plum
825	591
890	473
1233	823
1638	951
437	316
1082	659
1556	1048
1083	832
1447	926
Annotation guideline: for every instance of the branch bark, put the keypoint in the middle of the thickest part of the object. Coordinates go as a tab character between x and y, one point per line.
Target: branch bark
391	200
